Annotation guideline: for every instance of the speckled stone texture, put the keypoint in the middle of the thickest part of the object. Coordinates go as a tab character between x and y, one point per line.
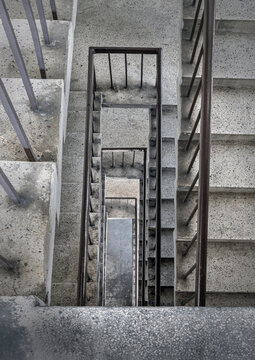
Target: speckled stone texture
125	127
27	230
65	9
130	23
119	263
29	332
237	10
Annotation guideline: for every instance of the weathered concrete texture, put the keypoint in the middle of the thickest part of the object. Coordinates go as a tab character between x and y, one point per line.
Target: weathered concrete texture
237	10
55	68
125	127
231	267
125	333
44	129
218	299
130	23
233	112
119	263
231	216
233	56
28	230
232	165
65	9
122	187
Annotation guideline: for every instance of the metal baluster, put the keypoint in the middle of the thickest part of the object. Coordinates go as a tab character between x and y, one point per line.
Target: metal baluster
191	187
110	69
43	22
193	131
35	36
185	252
141	71
195	70
113	160
133	162
7	104
126	71
197	40
195	20
123	159
8	28
193	159
190	271
8	188
53	9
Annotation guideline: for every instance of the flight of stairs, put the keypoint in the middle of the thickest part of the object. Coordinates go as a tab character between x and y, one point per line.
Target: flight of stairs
231	266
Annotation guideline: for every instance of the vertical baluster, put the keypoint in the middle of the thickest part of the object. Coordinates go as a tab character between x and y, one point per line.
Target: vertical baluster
53	9
141	71
8	188
43	22
35	37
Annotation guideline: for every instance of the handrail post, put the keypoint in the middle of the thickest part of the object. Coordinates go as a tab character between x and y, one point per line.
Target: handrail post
9	31
144	225
82	275
158	181
43	22
204	164
35	37
8	188
53	9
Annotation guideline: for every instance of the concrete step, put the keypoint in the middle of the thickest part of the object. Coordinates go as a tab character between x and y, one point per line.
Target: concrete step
218	299
166	272
231	267
232	165
28	230
232	58
96	121
78	101
107	324
237	11
169	125
168	154
61	35
167	215
232	113
231	216
168	186
66	9
167	244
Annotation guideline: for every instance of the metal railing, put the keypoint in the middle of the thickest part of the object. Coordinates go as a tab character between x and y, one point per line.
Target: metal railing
15	48
91	89
205	35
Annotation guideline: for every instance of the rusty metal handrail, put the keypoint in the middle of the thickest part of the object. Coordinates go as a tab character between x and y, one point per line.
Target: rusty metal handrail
82	275
205	87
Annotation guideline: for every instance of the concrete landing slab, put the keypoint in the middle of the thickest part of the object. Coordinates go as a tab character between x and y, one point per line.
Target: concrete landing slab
119	263
130	24
28	230
125	333
44	129
125	127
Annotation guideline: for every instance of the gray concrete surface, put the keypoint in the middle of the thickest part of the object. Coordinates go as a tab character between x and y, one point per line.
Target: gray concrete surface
119	263
29	332
130	24
27	230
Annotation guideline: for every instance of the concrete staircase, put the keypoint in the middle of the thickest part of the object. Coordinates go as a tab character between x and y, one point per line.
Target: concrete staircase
169	153
28	230
231	267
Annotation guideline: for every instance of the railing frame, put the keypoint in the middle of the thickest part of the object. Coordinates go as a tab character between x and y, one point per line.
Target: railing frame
82	275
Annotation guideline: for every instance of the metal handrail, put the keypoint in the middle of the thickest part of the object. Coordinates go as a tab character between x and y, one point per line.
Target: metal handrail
207	28
82	275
